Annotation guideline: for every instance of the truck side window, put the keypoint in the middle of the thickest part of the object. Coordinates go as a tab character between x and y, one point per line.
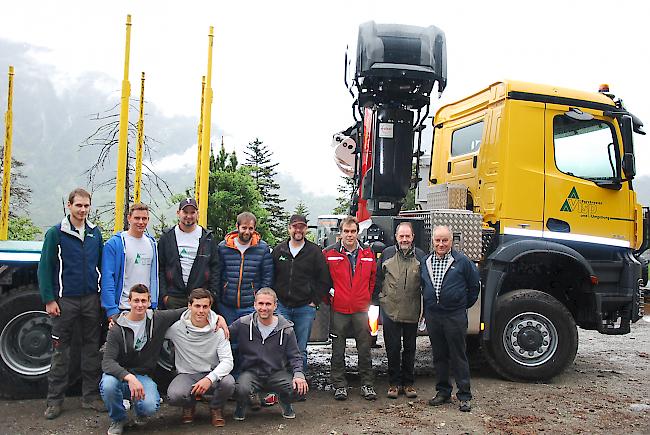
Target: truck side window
467	139
585	149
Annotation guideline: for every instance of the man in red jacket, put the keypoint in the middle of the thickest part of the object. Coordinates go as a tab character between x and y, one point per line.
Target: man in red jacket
352	268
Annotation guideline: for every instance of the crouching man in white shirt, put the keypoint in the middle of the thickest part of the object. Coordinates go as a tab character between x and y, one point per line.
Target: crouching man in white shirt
203	360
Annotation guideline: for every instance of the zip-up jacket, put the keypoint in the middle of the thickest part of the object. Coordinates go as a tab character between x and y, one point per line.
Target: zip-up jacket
121	358
460	285
278	352
398	289
242	275
352	292
302	279
69	265
113	263
206	268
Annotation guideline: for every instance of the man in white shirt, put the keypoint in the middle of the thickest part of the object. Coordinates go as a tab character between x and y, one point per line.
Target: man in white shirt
188	258
203	359
129	258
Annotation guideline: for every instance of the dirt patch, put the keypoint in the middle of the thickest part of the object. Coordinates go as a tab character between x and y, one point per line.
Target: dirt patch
604	391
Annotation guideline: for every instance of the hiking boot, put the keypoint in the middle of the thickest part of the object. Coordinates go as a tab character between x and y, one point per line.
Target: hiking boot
240	412
52	411
255	404
410	392
116	428
393	392
188	414
439	400
95	404
216	418
341	393
465	406
287	410
368	392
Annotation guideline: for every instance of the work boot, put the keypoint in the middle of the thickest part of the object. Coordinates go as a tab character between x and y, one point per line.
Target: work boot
188	414
95	404
465	406
368	392
216	418
53	411
410	392
393	392
341	393
439	400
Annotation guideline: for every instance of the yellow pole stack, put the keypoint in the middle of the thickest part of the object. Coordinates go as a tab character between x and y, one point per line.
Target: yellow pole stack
138	151
6	160
205	143
120	182
197	178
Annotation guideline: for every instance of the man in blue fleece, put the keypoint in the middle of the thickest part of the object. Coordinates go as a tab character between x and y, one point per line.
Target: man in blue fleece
450	285
129	258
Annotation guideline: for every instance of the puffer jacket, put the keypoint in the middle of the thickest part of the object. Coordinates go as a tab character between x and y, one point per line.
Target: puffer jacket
460	285
242	275
352	293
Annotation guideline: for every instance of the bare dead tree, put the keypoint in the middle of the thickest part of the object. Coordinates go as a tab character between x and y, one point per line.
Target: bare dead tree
21	194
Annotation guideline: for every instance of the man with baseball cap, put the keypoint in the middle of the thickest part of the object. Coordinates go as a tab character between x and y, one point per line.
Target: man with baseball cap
301	280
188	258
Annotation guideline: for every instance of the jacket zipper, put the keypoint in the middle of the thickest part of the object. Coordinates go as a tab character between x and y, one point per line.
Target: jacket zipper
241	272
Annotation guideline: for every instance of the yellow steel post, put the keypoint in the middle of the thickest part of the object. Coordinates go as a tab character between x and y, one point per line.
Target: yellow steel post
205	143
138	151
197	179
6	159
120	182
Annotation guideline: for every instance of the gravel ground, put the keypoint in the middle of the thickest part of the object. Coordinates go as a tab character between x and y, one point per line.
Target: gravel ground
606	390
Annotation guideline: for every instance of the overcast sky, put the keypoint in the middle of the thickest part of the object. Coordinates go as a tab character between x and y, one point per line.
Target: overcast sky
278	66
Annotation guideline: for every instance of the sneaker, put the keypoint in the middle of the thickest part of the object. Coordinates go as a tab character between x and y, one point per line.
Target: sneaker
240	412
393	392
140	420
287	410
52	411
255	401
465	406
341	393
94	404
116	428
368	392
439	400
269	400
188	414
410	392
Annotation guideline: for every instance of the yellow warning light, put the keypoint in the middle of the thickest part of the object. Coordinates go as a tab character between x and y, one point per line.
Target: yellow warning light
603	88
482	326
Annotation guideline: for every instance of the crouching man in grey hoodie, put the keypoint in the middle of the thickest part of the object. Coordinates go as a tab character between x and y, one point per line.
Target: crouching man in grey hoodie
203	360
267	349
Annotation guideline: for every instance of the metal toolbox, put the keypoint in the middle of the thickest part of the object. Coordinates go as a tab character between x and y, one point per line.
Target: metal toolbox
447	196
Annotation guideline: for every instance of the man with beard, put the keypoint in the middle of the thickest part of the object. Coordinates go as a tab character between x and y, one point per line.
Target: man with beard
188	258
301	280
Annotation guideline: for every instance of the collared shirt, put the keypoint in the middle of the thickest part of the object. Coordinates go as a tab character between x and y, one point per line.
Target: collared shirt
439	266
352	255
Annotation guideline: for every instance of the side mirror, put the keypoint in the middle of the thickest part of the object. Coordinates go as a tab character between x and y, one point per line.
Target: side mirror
629	166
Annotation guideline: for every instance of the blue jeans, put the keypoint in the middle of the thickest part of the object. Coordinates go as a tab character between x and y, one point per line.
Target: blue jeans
302	318
114	391
232	313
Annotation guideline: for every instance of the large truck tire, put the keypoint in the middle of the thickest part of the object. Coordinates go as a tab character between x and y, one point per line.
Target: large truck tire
535	337
25	344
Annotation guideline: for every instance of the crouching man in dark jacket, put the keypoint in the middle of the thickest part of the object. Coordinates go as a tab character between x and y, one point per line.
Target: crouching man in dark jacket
267	347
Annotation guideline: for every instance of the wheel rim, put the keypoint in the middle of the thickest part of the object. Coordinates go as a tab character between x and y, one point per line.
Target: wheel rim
530	339
26	343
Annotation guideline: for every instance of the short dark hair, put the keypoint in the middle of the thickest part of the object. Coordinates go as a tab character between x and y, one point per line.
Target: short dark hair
138	206
347	221
246	216
78	192
267	291
199	293
139	288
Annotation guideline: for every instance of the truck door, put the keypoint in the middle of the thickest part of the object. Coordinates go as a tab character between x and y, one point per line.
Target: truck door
584	199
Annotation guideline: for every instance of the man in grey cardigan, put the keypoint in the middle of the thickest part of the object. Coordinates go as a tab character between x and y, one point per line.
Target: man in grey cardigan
203	359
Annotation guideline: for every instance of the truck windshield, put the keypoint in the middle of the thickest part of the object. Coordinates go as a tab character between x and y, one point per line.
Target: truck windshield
585	149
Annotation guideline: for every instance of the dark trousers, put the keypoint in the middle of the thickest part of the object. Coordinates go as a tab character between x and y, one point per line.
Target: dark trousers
280	382
447	334
87	310
174	302
179	391
340	326
401	364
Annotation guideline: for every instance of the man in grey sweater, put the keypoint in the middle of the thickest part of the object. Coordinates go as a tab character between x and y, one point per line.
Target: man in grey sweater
203	359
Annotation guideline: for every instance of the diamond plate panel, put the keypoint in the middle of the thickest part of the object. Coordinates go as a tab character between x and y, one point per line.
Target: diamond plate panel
447	196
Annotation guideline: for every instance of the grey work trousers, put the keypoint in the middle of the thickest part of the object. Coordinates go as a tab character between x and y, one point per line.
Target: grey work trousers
280	382
87	310
340	326
179	390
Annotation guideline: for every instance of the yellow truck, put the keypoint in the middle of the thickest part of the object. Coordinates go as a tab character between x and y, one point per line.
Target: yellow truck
549	171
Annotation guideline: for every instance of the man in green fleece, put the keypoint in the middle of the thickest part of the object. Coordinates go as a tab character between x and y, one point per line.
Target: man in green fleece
203	359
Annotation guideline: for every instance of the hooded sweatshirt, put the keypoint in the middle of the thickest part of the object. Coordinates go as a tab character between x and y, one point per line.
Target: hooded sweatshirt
199	350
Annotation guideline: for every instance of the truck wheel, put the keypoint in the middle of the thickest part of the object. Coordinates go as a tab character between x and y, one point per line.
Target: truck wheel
535	336
25	344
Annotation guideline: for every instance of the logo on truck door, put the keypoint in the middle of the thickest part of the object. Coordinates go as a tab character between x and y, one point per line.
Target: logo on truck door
574	204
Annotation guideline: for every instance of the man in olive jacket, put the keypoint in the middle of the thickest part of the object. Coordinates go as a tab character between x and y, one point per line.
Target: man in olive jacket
398	291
